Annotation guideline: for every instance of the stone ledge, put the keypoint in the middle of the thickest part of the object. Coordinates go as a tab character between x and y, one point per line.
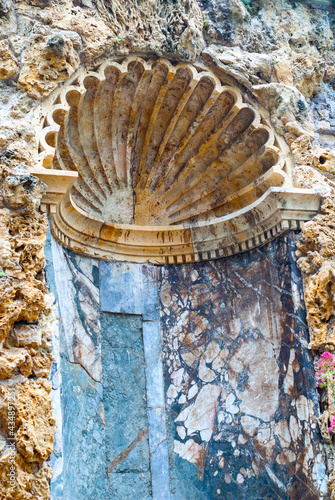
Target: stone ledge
278	210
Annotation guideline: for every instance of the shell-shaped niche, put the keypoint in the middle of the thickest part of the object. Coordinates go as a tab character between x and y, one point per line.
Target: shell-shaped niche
160	144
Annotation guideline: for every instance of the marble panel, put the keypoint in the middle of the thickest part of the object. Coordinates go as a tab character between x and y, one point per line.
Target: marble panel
242	402
76	283
84	451
125	406
129	288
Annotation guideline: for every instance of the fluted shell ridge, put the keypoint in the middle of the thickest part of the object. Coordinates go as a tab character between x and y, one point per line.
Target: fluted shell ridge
160	144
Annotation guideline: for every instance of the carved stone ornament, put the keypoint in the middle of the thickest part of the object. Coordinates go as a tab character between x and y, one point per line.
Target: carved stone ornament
149	161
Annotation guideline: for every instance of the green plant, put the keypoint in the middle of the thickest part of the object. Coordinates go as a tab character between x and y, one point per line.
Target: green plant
3	275
206	25
247	4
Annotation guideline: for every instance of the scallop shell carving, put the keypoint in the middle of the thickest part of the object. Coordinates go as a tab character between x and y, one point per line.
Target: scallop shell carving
156	144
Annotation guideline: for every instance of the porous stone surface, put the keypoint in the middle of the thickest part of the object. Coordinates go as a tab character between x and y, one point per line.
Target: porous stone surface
25	335
8	64
281	55
317	251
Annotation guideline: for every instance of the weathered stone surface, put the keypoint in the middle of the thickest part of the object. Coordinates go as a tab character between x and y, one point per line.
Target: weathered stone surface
243	320
32	479
317	250
14	360
290	35
22	192
27	336
160	27
288	108
42	362
21	257
8	24
34	423
325	160
50	58
23	298
8	63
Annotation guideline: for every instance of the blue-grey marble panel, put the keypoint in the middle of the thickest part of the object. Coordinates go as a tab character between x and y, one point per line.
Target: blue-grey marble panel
130	486
153	364
126	420
129	288
84	453
159	454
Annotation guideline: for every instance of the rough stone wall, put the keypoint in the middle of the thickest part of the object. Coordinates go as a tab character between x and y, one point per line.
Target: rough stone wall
282	52
27	424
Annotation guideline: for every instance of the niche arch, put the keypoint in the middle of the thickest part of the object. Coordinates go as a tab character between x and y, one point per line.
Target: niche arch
150	161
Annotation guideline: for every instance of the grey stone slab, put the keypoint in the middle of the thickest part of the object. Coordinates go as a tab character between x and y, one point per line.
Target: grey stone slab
160	474
124	392
121	288
129	289
157	427
150	293
129	486
159	454
84	453
153	363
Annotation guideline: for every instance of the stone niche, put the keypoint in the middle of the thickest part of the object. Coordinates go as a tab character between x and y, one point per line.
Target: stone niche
150	161
176	378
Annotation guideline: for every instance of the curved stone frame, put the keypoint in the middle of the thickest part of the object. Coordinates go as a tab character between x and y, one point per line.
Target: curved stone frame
280	207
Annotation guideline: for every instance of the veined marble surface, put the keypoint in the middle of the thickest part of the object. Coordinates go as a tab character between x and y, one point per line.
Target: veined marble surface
227	365
108	382
240	386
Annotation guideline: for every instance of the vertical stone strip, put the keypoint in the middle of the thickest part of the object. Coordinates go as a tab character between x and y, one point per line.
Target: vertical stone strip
126	420
159	455
132	289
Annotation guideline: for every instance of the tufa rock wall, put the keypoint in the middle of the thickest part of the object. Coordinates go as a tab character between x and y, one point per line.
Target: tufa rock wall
278	52
27	424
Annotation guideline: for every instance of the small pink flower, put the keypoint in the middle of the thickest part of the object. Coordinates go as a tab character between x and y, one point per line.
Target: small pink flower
332	426
327	355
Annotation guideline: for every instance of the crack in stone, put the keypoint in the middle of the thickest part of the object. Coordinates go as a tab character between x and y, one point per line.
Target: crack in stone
126	451
157	446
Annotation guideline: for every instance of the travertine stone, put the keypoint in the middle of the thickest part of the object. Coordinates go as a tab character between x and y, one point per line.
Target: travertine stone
34	423
32	479
325	160
42	362
8	63
14	360
24	298
27	336
47	61
317	255
140	25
